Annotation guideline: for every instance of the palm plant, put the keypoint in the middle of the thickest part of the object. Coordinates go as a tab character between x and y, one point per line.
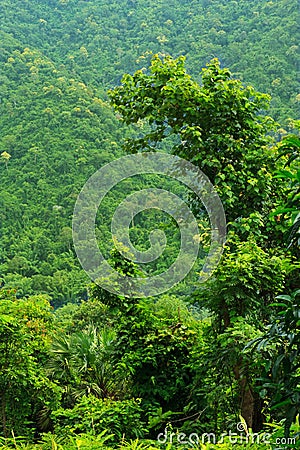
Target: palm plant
81	361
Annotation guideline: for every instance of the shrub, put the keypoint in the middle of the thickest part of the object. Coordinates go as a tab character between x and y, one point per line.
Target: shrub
93	416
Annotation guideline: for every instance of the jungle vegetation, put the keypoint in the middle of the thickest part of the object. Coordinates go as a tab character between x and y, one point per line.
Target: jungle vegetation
83	83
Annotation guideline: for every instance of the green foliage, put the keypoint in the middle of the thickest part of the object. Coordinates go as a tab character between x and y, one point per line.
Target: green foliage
57	59
58	132
99	41
25	326
72	317
156	360
81	362
93	415
85	364
282	371
290	148
218	128
264	441
245	283
216	124
57	128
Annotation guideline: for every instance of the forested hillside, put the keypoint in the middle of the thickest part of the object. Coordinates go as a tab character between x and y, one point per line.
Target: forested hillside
58	132
100	40
58	58
83	83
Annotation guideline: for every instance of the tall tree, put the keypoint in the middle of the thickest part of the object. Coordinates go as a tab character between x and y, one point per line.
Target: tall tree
217	126
216	123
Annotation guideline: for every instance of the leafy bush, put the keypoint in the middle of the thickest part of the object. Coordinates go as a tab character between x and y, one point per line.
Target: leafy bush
94	416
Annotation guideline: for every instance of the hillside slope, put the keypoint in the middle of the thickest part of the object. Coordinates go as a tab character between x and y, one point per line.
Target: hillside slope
57	132
58	58
100	40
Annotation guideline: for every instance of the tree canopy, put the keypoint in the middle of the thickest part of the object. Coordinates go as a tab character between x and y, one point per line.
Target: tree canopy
86	368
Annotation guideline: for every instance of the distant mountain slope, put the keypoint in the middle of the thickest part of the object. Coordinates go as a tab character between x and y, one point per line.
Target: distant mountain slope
58	58
57	132
100	40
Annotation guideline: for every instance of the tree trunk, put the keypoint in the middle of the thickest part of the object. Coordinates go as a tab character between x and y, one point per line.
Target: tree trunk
251	404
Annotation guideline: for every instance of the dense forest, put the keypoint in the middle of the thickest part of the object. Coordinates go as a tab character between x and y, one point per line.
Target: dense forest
202	365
